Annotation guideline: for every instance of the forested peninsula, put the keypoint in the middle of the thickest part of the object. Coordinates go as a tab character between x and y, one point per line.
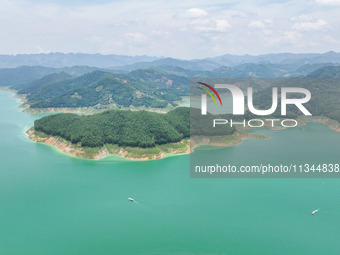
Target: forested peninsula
139	135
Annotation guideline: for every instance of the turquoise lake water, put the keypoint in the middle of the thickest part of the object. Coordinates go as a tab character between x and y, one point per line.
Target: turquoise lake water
51	203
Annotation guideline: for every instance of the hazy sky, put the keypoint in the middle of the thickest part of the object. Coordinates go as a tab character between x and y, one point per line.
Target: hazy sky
175	28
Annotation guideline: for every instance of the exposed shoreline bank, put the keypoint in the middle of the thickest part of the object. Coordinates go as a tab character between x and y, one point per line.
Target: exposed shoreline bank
97	153
330	123
185	146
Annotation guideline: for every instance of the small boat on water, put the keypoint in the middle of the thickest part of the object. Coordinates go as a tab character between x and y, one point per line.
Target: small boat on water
315	211
131	199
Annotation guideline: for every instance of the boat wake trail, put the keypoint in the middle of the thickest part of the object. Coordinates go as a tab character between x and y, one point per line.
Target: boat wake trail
327	196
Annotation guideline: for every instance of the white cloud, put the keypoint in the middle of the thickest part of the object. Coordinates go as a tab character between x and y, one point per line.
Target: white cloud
136	37
220	25
260	23
310	26
168	28
196	13
256	24
267	32
292	36
199	21
160	32
328	2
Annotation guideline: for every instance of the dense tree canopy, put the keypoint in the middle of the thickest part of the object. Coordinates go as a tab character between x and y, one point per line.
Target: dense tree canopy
129	128
125	128
99	88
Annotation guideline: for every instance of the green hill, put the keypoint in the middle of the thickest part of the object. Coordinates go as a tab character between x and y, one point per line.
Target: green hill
130	128
99	88
148	87
326	72
16	77
59	88
251	70
44	81
162	81
124	128
21	77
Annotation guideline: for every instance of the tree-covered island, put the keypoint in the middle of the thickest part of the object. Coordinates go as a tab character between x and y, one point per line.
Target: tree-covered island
139	135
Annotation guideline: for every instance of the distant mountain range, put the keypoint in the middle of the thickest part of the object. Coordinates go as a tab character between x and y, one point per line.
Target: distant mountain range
16	77
279	58
70	59
158	83
129	63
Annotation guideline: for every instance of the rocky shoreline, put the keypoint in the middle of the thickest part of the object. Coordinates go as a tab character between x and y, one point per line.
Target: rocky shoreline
183	147
76	150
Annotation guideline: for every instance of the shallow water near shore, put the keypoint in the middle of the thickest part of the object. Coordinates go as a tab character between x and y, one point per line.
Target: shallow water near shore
52	203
